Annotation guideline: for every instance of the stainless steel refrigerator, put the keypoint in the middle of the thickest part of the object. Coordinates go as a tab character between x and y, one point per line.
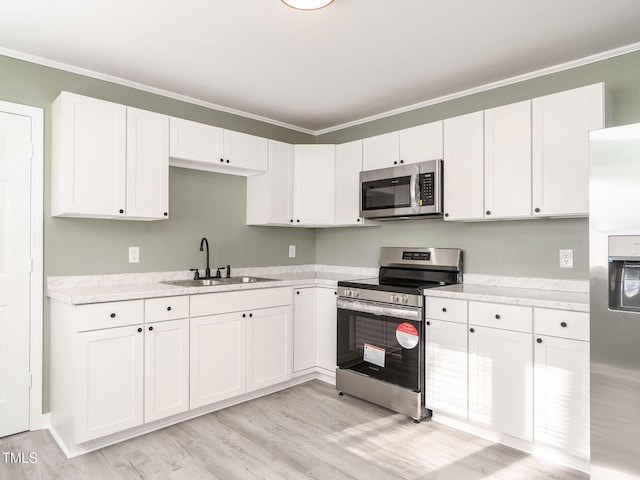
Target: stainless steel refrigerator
614	252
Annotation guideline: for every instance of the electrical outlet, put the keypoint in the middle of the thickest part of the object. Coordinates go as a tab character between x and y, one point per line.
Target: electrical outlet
566	258
292	251
134	254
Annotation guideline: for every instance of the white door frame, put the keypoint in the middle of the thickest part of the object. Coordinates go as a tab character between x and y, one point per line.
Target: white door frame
37	251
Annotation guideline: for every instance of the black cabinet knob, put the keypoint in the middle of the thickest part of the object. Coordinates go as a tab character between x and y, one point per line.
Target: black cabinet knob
291	220
488	212
222	160
444	309
539	340
244	315
446	214
250	315
121	211
113	315
472	330
395	162
150	328
428	322
298	292
166	214
168	309
139	329
537	210
497	317
357	220
401	161
563	324
298	220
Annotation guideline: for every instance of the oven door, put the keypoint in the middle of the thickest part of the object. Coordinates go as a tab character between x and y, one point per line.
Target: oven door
382	341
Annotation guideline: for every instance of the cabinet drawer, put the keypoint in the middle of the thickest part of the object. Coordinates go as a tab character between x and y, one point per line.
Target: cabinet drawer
497	315
166	308
241	300
562	323
447	309
108	315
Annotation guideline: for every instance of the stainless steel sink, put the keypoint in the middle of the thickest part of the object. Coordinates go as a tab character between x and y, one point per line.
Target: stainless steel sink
201	282
248	279
207	282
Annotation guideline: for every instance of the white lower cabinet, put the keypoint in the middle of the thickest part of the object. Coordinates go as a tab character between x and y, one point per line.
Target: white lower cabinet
446	368
315	329
108	381
561	381
501	380
514	370
240	342
218	358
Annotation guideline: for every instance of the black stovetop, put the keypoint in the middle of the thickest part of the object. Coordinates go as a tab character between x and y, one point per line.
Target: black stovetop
390	286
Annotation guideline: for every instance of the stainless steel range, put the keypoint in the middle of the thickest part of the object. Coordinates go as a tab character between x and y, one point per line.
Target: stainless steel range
381	334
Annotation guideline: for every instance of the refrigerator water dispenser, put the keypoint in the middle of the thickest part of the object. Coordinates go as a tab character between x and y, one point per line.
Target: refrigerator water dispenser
624	273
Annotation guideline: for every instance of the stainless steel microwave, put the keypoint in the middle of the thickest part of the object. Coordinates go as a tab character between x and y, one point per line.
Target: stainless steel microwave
404	191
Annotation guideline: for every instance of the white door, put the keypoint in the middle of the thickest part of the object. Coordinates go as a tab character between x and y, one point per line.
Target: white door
348	168
326	329
304	329
314	189
15	252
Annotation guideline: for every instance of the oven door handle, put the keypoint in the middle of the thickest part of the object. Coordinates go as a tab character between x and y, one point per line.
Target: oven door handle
380	309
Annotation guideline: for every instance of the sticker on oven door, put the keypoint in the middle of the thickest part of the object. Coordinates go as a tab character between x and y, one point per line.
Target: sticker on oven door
373	354
407	335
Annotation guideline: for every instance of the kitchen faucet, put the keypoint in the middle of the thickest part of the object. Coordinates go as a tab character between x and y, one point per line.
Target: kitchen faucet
207	272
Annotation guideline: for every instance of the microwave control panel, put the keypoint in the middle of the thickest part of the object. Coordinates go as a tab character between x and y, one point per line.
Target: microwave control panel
427	188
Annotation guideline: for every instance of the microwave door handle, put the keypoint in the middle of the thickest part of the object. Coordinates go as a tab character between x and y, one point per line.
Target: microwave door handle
415	190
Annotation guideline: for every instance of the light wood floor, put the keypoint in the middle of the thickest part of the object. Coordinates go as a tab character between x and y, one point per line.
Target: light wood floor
304	432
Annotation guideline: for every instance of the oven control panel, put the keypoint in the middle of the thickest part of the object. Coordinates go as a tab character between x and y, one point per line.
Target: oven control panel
382	296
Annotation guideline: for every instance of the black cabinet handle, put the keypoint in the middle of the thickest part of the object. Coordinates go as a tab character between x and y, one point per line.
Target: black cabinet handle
539	340
444	309
488	212
395	162
113	315
222	160
139	329
401	161
537	210
166	214
357	220
168	309
250	315
291	220
446	214
472	330
150	328
497	317
121	211
244	315
563	324
298	220
428	322
298	292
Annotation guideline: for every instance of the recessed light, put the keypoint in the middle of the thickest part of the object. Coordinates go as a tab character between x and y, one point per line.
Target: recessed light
307	4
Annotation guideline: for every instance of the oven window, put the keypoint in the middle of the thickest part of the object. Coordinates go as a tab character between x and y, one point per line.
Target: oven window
387	193
382	347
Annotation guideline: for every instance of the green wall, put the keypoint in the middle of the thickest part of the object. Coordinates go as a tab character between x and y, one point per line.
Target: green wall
517	248
200	203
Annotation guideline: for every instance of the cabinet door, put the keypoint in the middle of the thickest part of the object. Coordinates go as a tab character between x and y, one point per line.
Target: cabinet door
561	125
561	406
314	184
446	368
381	151
464	167
217	358
347	181
304	328
326	329
507	161
421	143
501	380
195	145
109	381
270	195
166	369
147	164
89	157
268	347
244	151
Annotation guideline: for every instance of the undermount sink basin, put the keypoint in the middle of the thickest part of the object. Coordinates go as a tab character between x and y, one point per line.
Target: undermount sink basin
207	282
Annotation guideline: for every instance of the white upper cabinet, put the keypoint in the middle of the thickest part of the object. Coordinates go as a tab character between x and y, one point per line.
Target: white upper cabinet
109	160
464	167
411	145
561	125
314	185
347	182
270	195
147	164
205	147
507	161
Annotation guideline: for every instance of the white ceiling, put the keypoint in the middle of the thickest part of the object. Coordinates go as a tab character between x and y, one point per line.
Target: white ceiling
320	69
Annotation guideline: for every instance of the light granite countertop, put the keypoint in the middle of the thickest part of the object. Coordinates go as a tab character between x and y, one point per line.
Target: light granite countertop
577	301
79	290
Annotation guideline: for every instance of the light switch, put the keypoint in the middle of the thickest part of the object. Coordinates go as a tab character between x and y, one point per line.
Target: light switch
292	251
